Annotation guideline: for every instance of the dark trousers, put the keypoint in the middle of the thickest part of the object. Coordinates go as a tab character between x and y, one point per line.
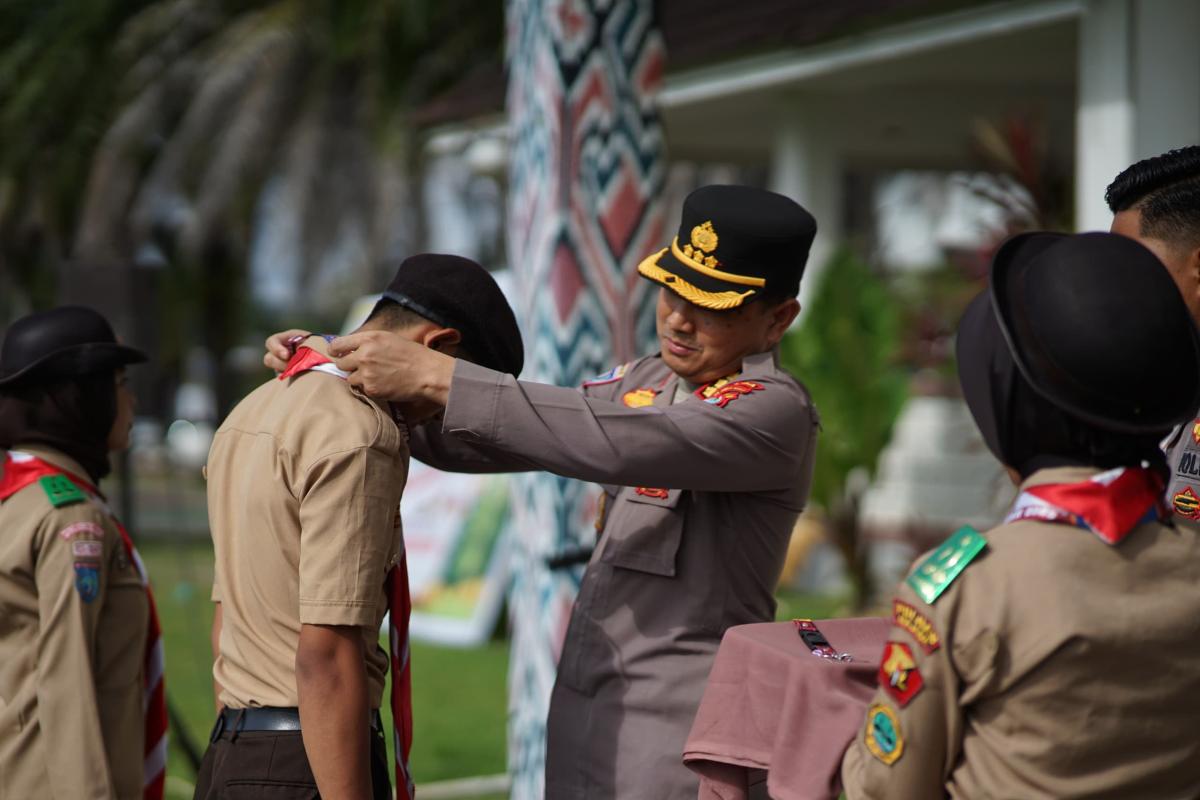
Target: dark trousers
273	766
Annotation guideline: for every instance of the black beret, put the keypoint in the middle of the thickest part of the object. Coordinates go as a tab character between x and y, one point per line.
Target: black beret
64	342
458	293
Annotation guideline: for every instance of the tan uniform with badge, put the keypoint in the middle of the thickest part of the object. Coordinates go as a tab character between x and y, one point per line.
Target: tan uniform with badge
701	491
73	623
325	468
985	692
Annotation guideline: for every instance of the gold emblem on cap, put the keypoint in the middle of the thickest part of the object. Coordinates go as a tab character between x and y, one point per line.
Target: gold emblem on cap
704	237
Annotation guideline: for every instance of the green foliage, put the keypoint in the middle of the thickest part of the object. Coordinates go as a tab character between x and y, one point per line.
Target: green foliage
846	353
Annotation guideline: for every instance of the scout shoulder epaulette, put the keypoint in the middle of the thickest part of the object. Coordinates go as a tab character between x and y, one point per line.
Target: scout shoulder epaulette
946	563
60	491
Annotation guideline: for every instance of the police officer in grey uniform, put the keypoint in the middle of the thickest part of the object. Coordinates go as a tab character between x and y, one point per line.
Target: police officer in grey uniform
1157	202
704	452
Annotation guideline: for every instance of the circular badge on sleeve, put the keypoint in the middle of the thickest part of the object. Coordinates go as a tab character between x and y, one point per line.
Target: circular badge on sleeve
883	735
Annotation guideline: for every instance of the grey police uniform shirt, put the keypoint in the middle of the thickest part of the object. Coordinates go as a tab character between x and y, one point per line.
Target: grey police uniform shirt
1183	456
702	491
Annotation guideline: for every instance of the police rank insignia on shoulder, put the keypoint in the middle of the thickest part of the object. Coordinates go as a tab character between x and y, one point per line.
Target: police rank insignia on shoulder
721	393
639	398
60	491
612	376
883	736
945	564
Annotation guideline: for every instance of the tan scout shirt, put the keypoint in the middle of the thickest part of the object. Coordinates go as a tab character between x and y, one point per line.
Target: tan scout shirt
71	725
304	483
701	496
1061	667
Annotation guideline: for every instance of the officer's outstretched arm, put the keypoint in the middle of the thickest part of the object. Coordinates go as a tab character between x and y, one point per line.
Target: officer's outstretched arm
72	571
756	436
911	735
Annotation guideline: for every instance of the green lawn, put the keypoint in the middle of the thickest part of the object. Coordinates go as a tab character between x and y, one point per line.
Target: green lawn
460	696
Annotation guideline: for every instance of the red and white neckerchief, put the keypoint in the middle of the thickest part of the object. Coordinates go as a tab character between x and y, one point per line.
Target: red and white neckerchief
22	469
1110	504
399	608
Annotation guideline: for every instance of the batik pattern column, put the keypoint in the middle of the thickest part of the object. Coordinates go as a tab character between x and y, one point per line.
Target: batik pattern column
585	176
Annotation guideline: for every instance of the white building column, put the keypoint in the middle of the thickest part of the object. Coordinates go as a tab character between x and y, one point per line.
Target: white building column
1104	119
1139	92
806	167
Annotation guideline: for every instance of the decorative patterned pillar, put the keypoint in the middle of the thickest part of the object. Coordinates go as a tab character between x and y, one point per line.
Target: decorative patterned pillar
586	173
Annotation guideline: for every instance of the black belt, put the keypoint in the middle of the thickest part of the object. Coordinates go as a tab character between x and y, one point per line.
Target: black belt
266	718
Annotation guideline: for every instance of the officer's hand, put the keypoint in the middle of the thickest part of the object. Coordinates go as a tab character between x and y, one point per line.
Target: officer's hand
387	366
279	349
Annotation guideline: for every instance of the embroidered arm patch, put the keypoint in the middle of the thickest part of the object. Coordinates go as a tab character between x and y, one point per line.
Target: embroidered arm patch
612	376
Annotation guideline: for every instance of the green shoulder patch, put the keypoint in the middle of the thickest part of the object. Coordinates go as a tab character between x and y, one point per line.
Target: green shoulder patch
944	564
61	491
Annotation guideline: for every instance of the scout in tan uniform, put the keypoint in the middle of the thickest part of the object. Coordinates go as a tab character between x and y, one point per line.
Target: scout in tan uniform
1058	655
1157	202
81	694
705	454
304	482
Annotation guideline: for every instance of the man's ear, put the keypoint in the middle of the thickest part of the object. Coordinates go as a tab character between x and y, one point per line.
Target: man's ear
445	340
781	319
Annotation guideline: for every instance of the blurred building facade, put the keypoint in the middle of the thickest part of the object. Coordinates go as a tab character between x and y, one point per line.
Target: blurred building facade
917	129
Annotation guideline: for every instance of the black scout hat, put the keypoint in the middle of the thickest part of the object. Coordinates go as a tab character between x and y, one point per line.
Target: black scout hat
64	342
734	244
1095	325
456	292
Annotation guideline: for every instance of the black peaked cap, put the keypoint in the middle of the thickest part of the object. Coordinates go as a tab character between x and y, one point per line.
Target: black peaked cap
456	292
1097	326
733	243
64	342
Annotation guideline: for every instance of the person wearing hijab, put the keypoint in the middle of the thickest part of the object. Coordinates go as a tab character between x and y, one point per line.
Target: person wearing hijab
82	703
1057	655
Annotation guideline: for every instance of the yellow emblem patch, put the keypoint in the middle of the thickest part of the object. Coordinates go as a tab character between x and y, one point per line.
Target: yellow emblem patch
883	736
639	398
1187	504
704	237
917	624
1196	432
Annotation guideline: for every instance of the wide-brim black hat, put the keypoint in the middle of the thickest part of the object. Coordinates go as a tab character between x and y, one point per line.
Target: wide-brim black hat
1097	327
456	292
64	342
734	244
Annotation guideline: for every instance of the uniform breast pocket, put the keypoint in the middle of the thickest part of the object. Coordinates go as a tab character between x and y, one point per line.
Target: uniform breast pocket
644	530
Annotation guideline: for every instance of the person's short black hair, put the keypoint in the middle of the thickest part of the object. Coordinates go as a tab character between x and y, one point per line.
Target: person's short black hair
396	317
1166	190
393	316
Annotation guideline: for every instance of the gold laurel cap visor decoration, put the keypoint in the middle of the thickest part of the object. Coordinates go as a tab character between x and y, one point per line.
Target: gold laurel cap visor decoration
717	301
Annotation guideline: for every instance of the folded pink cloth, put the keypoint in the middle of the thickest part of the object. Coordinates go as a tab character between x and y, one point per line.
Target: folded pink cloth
770	704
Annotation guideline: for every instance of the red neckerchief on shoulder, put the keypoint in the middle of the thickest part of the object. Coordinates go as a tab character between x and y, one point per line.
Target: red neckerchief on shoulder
399	604
1110	505
21	470
306	358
